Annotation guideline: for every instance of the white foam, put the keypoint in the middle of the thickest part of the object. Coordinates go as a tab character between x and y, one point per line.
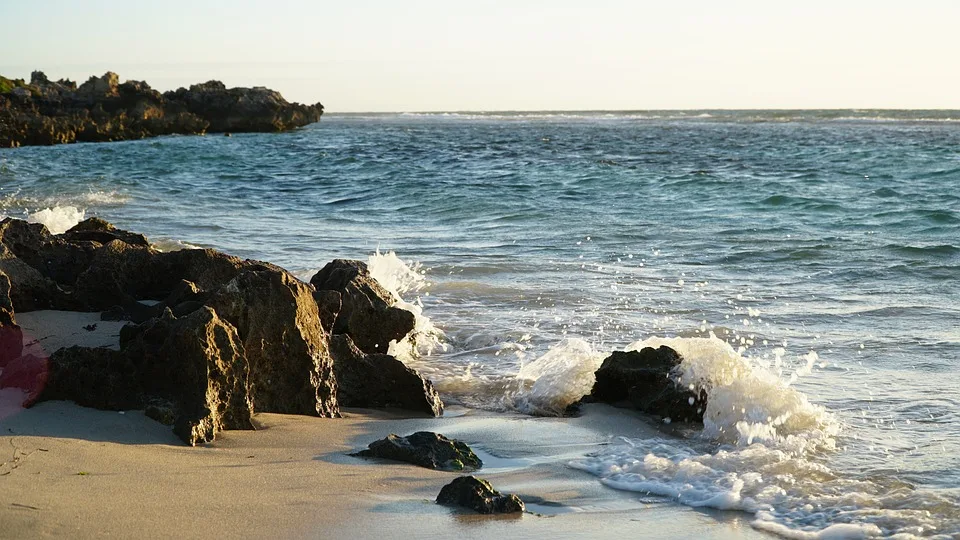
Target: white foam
401	279
58	219
558	378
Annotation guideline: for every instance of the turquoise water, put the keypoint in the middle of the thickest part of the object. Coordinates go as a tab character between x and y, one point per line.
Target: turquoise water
549	239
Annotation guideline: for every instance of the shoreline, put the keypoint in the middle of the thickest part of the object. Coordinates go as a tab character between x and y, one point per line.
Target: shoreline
85	473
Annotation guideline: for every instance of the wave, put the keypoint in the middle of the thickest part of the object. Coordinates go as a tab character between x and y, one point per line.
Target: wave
58	219
401	279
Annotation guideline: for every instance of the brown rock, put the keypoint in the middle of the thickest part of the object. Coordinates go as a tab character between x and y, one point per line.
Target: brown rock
379	380
277	319
11	336
367	314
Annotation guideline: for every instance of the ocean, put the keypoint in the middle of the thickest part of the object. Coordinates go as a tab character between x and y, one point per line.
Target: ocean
805	263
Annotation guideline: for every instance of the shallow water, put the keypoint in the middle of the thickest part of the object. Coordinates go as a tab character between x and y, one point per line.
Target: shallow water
547	240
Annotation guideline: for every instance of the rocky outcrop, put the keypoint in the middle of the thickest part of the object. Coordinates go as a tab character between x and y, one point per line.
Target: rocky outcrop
278	321
198	364
366	312
223	337
646	380
478	495
426	449
43	112
379	380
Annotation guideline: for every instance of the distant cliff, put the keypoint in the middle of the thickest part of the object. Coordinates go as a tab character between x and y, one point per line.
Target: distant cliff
43	112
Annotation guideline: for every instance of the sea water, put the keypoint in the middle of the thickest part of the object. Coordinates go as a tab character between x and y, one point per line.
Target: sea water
805	264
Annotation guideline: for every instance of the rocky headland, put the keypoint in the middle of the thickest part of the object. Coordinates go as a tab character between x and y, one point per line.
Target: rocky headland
45	112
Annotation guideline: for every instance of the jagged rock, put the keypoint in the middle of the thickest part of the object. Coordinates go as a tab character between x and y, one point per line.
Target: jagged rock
198	364
645	380
101	109
366	314
118	274
276	316
97	230
478	495
379	380
328	303
11	336
426	449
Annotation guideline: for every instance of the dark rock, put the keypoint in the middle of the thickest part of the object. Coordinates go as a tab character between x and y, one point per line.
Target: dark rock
102	109
27	373
11	336
276	316
379	380
328	303
197	366
184	291
477	494
426	449
367	314
93	377
645	380
97	230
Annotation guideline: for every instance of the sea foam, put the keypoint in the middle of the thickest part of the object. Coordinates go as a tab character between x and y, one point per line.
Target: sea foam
58	219
402	279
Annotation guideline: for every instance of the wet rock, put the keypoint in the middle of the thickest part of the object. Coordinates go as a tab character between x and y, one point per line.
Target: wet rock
478	495
426	449
366	314
277	319
11	336
379	380
645	380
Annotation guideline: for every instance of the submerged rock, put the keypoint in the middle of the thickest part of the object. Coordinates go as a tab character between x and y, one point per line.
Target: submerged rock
366	313
645	380
478	495
379	380
426	449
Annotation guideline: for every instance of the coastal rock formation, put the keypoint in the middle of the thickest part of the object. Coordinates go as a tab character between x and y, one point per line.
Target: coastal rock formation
43	112
198	364
379	380
478	495
221	338
278	321
645	380
366	314
426	449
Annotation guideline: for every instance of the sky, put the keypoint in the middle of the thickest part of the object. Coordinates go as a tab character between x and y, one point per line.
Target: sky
367	55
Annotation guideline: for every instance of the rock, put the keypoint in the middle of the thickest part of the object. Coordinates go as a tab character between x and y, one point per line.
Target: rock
477	494
645	380
426	449
367	314
11	336
92	377
27	373
379	380
45	112
119	274
328	303
97	230
192	370
277	319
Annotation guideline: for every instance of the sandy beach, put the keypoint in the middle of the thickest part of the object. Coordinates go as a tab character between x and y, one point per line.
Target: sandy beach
74	472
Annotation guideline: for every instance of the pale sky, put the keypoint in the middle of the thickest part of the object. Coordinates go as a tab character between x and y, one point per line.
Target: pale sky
368	55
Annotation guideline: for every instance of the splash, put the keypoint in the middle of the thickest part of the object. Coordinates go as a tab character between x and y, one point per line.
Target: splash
400	279
554	381
58	219
748	402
